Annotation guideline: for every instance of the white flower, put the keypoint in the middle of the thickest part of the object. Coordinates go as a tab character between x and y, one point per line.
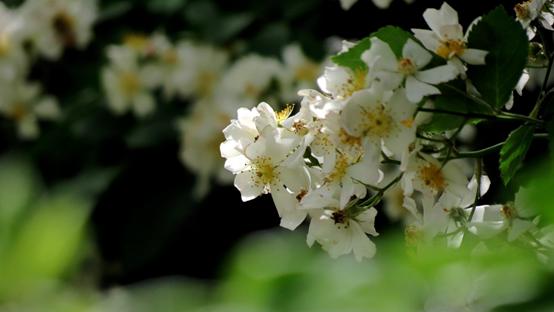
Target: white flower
300	71
381	118
13	61
25	104
270	163
428	176
201	137
200	69
337	231
127	85
449	214
528	11
55	24
347	4
446	38
392	72
347	175
341	82
250	78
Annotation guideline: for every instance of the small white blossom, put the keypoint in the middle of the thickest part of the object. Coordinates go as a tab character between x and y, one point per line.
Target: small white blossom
127	85
25	105
446	38
392	72
528	11
384	119
340	233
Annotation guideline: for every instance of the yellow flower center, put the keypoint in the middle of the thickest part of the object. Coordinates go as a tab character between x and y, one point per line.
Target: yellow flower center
350	140
378	123
341	165
522	10
130	84
136	42
450	48
18	111
64	25
406	67
432	177
354	83
4	44
206	81
283	114
265	172
251	90
307	72
170	57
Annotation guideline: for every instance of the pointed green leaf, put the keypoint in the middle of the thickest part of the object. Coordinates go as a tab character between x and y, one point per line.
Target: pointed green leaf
353	57
507	44
514	150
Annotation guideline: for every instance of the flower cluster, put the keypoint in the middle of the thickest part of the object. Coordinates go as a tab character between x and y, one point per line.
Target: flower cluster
362	138
37	29
204	75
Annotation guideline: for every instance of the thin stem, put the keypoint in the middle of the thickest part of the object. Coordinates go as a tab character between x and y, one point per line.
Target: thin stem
490	149
499	116
474	99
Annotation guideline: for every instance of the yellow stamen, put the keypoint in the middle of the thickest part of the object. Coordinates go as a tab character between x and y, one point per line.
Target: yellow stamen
432	177
265	173
378	123
406	67
136	41
129	83
283	114
450	48
4	44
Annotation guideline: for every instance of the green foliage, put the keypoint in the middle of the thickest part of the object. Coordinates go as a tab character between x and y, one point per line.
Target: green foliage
352	58
507	44
456	103
394	36
42	233
514	150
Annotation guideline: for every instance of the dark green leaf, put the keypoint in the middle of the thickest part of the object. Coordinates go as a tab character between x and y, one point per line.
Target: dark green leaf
452	101
507	44
514	150
396	38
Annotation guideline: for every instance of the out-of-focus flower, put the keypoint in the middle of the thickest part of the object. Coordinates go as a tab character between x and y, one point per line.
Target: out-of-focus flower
52	25
127	85
13	61
26	105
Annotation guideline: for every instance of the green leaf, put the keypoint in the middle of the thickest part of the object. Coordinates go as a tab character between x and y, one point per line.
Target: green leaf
514	150
507	44
353	57
452	101
394	36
